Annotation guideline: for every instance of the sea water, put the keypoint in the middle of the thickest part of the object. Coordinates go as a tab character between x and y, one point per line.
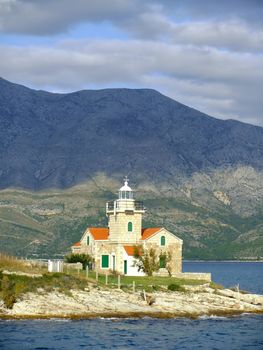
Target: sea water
239	332
248	275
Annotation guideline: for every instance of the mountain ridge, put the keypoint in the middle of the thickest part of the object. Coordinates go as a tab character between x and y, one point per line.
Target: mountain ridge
58	140
199	176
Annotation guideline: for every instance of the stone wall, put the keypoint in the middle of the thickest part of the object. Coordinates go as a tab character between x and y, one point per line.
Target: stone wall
118	225
173	245
204	276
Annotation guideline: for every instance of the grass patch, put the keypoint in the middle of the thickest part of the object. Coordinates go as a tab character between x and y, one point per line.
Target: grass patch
176	287
148	283
216	286
13	286
10	263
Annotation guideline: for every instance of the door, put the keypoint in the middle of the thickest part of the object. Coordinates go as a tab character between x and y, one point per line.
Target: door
125	267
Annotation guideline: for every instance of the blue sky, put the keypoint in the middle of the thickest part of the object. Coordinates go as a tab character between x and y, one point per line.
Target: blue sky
206	54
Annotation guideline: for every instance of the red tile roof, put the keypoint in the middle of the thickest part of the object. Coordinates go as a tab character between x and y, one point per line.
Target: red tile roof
129	250
78	244
102	233
148	232
99	233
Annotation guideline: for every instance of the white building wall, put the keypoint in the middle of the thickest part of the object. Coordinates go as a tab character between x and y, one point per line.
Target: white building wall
55	265
131	270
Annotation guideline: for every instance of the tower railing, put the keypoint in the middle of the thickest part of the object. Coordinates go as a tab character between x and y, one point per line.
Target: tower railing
110	206
139	205
123	205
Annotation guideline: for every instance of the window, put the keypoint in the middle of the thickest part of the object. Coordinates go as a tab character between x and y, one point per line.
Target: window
129	226
87	240
162	240
162	262
105	261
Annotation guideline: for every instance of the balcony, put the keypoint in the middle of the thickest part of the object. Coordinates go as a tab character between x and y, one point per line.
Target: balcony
139	205
110	206
125	206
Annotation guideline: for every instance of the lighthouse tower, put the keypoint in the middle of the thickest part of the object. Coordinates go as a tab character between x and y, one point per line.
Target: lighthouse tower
125	216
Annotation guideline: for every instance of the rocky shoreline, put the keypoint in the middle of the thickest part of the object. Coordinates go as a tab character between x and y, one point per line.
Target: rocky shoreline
108	303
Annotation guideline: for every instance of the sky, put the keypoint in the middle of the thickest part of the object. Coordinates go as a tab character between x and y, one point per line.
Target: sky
207	54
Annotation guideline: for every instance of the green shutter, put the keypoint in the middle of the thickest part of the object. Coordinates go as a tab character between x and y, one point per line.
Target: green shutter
162	262
125	267
87	240
105	261
129	226
162	240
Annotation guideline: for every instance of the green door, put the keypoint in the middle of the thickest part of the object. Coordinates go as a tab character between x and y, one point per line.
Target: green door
125	267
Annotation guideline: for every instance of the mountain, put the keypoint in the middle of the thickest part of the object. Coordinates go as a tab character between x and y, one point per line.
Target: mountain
213	224
59	140
62	156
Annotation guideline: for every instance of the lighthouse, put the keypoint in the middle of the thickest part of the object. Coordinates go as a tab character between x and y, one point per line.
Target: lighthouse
125	216
112	247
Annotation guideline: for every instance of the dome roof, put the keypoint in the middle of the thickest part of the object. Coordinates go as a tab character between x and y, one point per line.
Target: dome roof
125	187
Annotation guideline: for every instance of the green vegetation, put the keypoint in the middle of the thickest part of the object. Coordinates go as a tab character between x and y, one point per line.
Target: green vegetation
12	263
176	287
13	286
216	286
11	215
146	261
142	282
85	259
7	289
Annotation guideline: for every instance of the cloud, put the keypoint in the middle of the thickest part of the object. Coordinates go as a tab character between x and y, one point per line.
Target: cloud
152	16
219	83
231	35
58	16
205	53
234	35
250	11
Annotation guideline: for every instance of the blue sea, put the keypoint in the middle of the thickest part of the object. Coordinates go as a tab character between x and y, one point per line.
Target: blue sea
239	332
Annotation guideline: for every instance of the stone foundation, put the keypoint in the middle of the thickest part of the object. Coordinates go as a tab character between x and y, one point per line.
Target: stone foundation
204	276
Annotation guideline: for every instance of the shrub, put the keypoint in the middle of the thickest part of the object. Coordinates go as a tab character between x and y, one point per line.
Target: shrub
85	259
156	288
114	273
175	287
146	260
216	286
8	292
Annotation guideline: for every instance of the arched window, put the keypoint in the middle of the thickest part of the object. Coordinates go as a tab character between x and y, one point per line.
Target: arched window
129	226
163	240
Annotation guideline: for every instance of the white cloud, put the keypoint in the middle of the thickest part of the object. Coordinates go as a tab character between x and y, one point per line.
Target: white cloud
232	35
205	53
216	82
